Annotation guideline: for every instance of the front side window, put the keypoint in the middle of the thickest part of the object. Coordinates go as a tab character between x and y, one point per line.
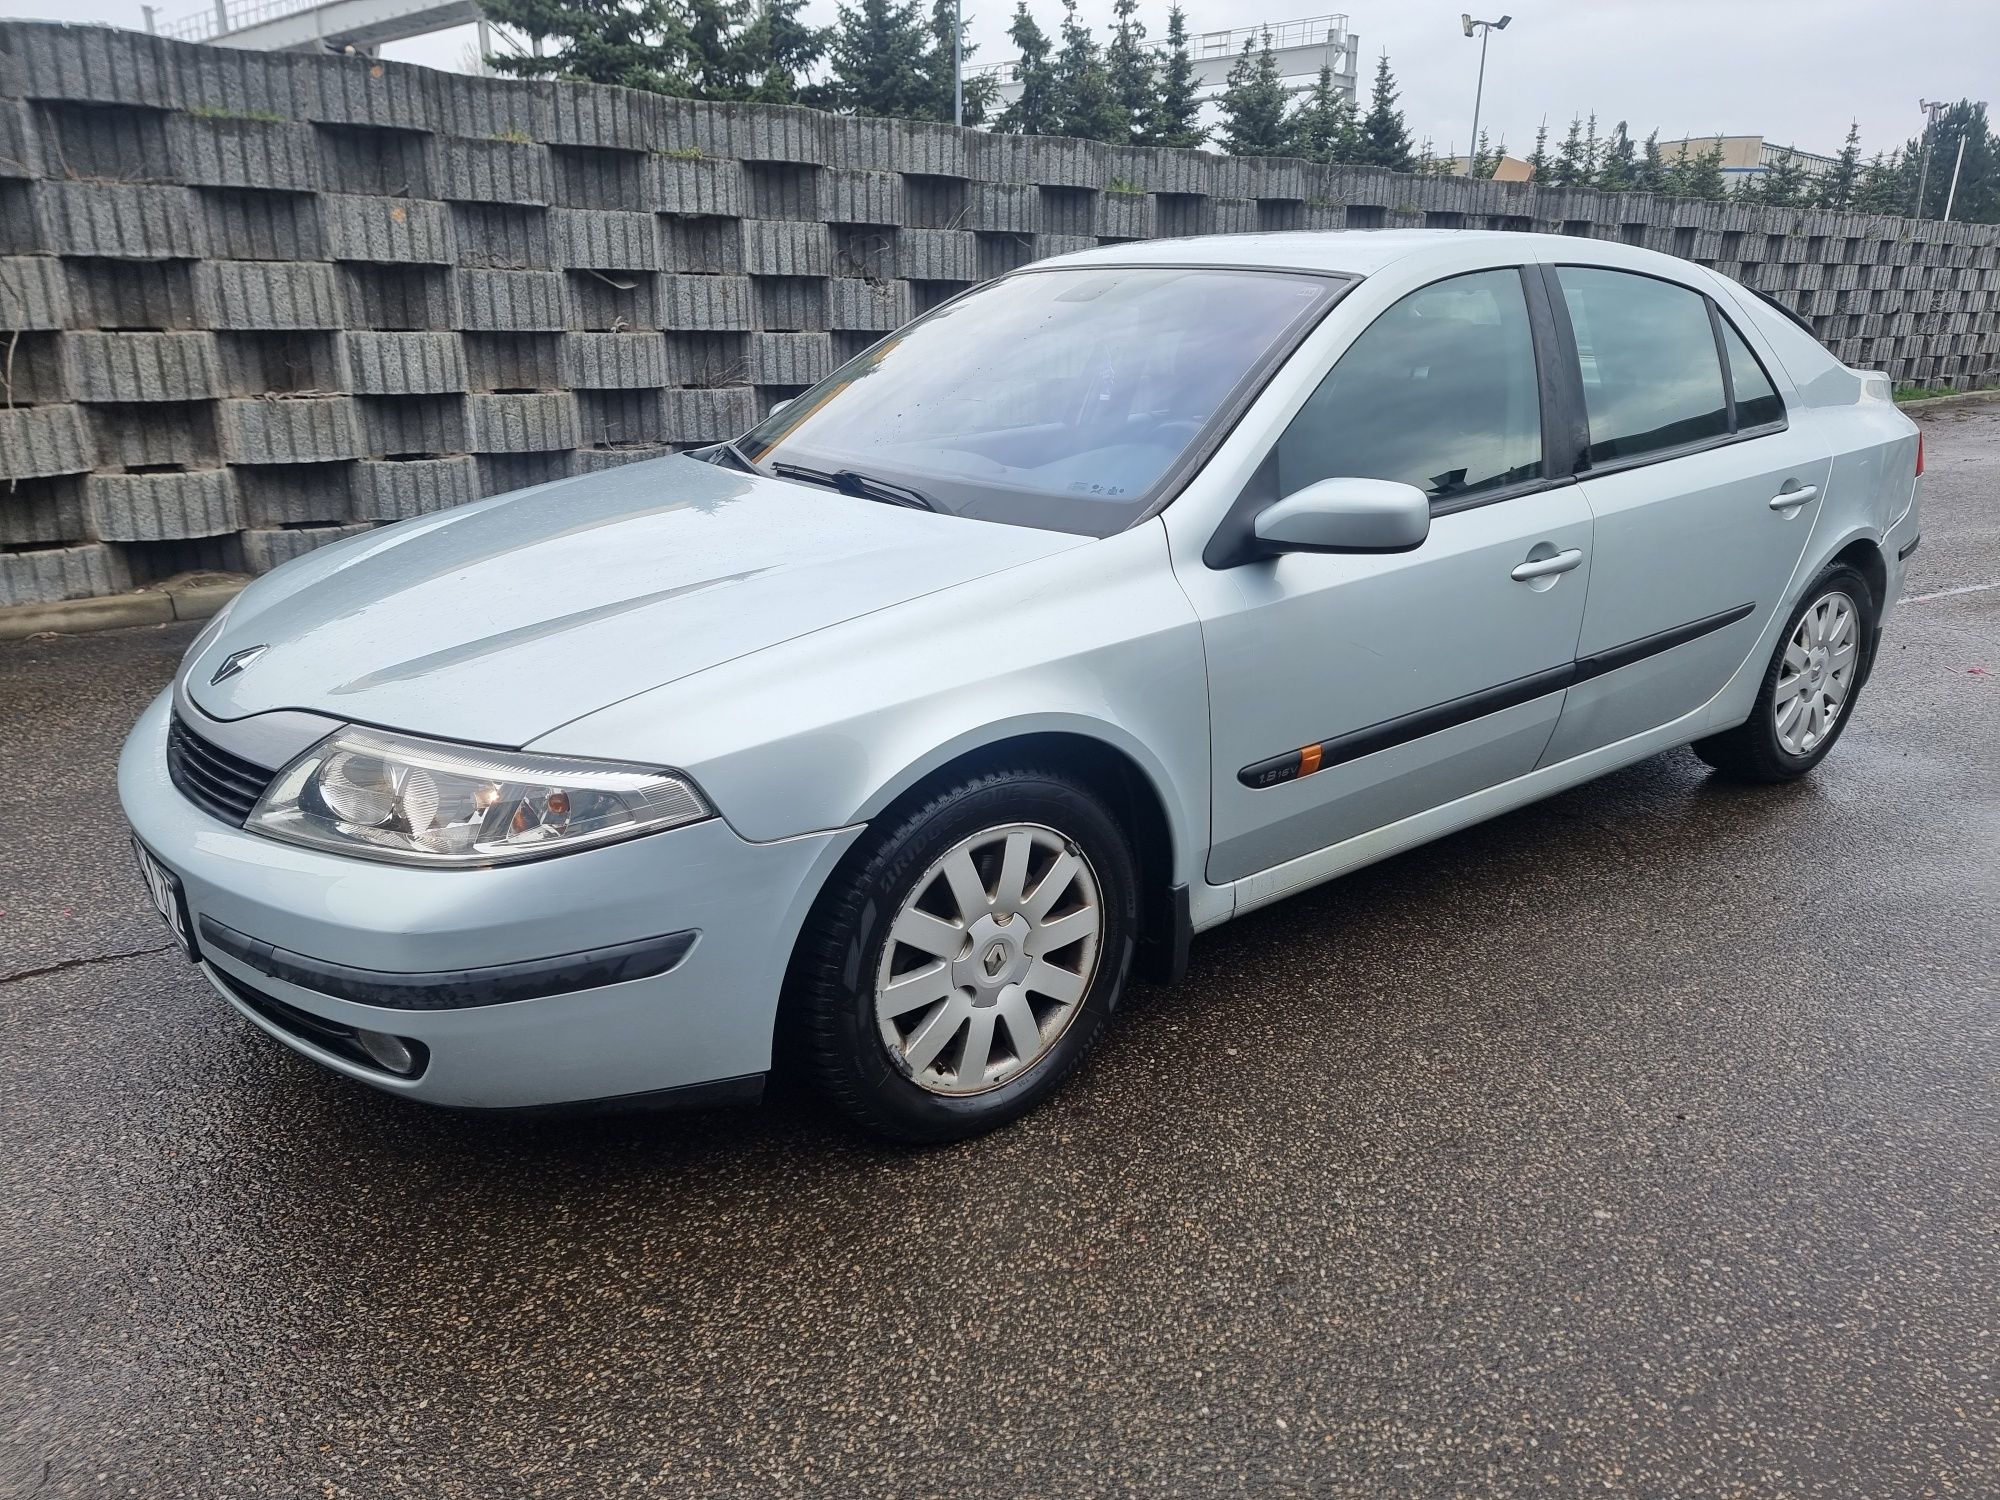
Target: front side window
1438	392
1060	399
1646	350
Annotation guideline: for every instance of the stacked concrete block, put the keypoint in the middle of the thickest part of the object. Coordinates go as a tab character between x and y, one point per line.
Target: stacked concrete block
163	507
38	441
523	421
404	364
228	152
141	366
388	490
614	361
255	302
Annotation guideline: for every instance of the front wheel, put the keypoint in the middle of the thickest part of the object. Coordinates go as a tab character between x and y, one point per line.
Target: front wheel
1809	687
961	963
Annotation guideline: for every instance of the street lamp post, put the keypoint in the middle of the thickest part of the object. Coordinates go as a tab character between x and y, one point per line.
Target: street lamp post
1932	109
1485	30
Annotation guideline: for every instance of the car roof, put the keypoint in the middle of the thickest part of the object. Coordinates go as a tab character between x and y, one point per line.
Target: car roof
1356	252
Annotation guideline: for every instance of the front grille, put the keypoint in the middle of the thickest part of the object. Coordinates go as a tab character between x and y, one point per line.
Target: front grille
223	785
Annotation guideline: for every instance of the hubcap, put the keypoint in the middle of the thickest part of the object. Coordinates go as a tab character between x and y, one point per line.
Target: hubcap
988	959
1817	674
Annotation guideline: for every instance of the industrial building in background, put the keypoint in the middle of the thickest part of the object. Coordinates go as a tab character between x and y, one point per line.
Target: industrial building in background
1747	157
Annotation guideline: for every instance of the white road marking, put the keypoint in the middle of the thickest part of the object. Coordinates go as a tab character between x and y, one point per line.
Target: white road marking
1970	588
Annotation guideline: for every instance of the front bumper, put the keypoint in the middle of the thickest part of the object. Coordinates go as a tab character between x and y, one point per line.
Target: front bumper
707	1017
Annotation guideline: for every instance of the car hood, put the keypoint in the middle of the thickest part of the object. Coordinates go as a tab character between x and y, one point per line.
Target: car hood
497	622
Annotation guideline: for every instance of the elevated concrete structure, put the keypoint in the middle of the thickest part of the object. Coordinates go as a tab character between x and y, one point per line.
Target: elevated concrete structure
319	25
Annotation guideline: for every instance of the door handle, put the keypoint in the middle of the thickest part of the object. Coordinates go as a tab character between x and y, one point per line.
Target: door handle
1542	567
1792	499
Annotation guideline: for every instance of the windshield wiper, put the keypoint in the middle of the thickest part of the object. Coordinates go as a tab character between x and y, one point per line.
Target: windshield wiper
728	449
861	486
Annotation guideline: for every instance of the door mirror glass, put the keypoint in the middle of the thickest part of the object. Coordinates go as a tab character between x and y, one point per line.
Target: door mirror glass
1347	515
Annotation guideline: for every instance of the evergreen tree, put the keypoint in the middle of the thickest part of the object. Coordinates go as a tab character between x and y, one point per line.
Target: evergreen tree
1697	174
1176	115
1887	186
937	71
1836	190
1704	176
1253	103
642	44
1385	140
1649	173
1678	170
1480	163
1538	159
1322	128
1034	111
722	65
877	56
1616	171
1568	170
1784	183
1592	152
1085	106
1977	200
1130	67
781	51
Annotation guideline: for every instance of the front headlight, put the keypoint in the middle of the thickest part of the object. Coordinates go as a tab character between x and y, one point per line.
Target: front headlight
394	797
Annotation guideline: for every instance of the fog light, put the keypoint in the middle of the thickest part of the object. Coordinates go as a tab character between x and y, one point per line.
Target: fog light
392	1052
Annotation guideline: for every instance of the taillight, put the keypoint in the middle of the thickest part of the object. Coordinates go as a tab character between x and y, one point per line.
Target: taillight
1920	452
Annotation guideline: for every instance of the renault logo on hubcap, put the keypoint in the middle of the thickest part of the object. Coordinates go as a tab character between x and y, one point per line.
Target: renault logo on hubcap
995	960
236	662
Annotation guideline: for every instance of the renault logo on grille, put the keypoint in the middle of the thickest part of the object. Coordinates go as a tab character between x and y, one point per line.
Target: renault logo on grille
237	661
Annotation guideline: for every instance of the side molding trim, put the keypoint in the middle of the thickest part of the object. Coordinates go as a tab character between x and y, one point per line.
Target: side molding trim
1390	733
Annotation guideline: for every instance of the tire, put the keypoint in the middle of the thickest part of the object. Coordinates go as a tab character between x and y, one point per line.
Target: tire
1774	744
886	1027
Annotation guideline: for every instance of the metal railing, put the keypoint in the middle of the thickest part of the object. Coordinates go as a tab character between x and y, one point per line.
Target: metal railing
223	17
1312	31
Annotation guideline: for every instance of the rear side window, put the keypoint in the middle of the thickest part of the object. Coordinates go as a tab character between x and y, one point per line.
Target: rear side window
1651	378
1757	403
1438	392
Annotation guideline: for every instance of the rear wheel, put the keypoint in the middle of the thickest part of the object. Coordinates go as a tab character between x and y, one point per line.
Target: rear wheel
1809	687
961	964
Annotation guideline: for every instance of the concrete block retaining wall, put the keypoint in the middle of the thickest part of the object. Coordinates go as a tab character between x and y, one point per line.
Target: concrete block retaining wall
250	302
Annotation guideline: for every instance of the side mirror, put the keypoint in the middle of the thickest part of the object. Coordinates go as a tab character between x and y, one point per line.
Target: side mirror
1346	515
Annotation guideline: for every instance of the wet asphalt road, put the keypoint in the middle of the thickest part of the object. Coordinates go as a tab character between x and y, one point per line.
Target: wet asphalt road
1641	1143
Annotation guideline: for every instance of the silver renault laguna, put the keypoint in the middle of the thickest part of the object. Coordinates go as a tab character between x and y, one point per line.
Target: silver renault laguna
1103	603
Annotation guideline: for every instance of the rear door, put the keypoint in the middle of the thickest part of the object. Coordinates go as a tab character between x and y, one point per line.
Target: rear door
1702	493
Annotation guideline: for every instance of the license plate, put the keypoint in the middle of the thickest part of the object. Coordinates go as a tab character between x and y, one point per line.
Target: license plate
164	886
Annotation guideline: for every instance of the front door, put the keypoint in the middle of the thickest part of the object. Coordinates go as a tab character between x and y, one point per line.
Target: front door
1703	499
1348	692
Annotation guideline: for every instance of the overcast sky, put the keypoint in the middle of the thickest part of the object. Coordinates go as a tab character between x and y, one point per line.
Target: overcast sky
1794	71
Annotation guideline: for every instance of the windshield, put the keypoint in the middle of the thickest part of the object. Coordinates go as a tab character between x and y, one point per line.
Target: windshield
1063	399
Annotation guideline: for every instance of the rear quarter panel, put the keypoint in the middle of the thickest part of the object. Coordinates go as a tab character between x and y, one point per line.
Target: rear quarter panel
1871	486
